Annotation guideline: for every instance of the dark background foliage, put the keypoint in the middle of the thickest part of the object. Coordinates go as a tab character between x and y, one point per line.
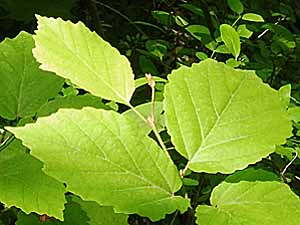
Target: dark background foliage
153	35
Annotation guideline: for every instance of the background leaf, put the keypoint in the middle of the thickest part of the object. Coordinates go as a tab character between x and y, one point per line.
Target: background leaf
93	64
210	127
236	6
253	17
102	156
231	39
24	87
23	183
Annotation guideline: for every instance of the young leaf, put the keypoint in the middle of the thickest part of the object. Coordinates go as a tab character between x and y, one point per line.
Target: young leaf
24	87
223	121
251	203
243	31
231	39
102	156
23	183
75	53
236	6
253	17
285	94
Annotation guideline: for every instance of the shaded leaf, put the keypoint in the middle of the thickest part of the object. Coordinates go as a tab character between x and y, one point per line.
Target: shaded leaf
23	183
24	87
75	102
236	6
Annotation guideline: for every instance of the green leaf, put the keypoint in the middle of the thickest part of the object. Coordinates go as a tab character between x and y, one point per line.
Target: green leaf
23	183
233	63
294	114
102	156
231	39
219	117
24	87
252	174
235	6
201	55
78	212
145	110
202	33
92	63
75	102
157	48
253	17
243	31
250	203
193	8
147	66
100	215
162	17
285	94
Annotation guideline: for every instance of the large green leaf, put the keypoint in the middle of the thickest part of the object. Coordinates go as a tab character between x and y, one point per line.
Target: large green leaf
24	87
251	203
220	118
23	183
74	52
231	39
78	212
102	156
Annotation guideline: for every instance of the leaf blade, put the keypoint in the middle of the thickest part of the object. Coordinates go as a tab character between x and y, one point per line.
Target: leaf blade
136	177
211	129
93	64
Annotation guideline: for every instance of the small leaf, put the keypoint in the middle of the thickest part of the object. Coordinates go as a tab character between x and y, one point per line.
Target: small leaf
180	21
147	66
202	33
285	94
102	156
253	17
23	183
162	17
92	63
250	203
190	182
231	39
233	63
201	55
236	6
243	31
193	8
211	129
24	87
294	114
